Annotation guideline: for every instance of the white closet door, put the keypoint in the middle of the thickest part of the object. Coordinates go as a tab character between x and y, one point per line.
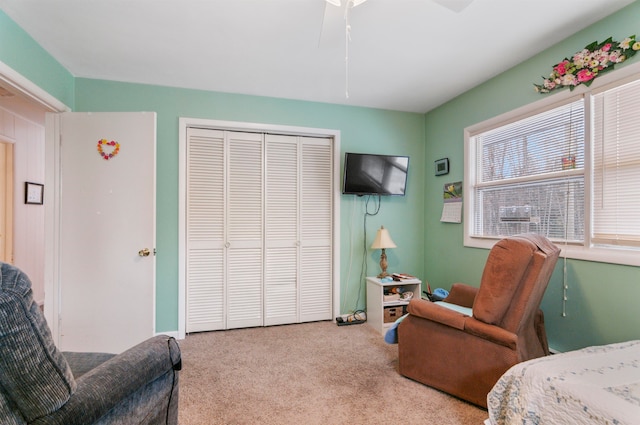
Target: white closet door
316	229
259	229
281	230
244	214
205	216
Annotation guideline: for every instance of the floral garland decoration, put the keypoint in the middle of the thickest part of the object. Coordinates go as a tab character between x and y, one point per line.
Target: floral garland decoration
585	65
105	155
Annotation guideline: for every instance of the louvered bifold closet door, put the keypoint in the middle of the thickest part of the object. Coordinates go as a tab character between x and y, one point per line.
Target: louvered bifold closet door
244	230
316	229
205	230
281	230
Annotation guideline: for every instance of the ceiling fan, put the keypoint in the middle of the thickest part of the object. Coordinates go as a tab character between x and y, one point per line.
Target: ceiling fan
454	5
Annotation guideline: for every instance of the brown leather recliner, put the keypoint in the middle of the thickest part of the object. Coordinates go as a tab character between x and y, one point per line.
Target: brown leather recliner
465	355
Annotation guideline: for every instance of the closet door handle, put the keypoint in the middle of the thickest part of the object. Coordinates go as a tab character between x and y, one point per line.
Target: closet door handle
227	245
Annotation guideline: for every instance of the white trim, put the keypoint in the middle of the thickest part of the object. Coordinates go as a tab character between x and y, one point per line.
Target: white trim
185	123
34	93
173	334
588	252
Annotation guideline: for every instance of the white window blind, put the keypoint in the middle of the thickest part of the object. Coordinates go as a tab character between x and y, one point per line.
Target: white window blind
530	176
616	166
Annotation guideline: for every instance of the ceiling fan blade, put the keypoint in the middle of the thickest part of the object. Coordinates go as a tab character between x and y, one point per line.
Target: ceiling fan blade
454	5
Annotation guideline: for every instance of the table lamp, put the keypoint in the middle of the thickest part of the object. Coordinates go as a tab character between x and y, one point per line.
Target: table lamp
383	241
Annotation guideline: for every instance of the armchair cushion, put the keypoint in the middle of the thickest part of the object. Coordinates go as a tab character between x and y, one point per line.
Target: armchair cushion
467	311
34	374
437	313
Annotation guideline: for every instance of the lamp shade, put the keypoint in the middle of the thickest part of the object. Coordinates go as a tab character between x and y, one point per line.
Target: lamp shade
383	240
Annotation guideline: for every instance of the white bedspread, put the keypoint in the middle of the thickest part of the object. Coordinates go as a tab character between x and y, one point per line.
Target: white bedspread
595	385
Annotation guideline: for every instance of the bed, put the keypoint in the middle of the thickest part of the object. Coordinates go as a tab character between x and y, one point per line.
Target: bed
595	385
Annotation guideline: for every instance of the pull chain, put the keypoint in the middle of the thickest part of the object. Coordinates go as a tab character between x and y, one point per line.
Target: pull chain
347	40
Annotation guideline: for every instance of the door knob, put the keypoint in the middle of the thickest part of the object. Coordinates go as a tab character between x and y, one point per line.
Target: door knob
144	252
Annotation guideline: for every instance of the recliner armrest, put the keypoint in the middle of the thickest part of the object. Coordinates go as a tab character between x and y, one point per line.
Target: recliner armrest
491	333
436	313
102	388
462	294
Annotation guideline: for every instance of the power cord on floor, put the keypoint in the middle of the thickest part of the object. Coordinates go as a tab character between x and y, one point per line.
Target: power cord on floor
357	317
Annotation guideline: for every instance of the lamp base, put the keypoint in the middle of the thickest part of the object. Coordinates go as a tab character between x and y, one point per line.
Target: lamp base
383	265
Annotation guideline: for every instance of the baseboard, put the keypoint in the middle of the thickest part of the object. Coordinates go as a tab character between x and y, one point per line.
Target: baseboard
173	334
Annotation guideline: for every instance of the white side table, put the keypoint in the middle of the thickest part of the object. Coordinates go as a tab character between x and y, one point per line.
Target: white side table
376	305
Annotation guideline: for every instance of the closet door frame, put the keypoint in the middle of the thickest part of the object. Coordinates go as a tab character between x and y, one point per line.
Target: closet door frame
184	123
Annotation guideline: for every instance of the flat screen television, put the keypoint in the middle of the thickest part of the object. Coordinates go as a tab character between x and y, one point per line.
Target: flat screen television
370	174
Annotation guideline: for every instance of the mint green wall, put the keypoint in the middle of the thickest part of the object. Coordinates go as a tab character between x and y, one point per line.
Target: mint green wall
362	130
20	52
602	298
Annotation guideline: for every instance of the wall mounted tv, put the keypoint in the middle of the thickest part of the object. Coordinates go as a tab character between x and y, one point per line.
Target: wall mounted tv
369	174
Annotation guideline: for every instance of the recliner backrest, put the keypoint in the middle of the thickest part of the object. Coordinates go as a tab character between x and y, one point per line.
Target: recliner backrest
35	378
528	296
506	265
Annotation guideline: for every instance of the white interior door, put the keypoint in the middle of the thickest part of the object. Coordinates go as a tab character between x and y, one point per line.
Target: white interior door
106	216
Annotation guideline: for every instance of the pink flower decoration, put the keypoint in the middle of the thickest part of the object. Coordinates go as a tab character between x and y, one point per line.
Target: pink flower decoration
561	68
587	64
585	75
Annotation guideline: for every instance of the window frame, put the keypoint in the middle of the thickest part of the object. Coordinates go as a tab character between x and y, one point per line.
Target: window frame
586	251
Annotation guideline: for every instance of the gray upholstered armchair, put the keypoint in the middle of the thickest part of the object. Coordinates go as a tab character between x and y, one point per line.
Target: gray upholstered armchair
41	385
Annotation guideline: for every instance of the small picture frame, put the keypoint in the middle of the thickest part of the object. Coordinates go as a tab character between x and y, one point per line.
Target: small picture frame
442	166
33	193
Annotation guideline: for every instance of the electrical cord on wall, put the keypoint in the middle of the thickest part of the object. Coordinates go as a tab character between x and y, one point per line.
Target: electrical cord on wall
345	291
363	270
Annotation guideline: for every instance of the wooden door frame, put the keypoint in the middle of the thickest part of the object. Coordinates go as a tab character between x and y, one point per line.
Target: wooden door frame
20	84
7	193
183	124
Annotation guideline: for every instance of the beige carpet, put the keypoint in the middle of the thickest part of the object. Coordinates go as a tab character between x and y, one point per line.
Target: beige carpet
312	373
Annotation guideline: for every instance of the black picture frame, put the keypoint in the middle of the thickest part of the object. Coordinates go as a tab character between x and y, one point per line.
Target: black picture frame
33	193
442	166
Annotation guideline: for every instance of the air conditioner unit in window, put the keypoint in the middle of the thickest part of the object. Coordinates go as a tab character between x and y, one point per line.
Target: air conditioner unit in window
518	214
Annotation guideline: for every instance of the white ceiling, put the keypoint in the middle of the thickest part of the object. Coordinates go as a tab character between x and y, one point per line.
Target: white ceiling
407	55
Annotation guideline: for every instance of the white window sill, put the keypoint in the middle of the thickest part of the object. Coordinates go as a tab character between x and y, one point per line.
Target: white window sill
613	255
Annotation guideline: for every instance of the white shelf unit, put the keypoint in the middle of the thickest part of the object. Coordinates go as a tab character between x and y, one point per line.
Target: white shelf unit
376	304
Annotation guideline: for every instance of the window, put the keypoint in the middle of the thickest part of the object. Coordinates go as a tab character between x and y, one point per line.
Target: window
616	165
568	170
530	176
